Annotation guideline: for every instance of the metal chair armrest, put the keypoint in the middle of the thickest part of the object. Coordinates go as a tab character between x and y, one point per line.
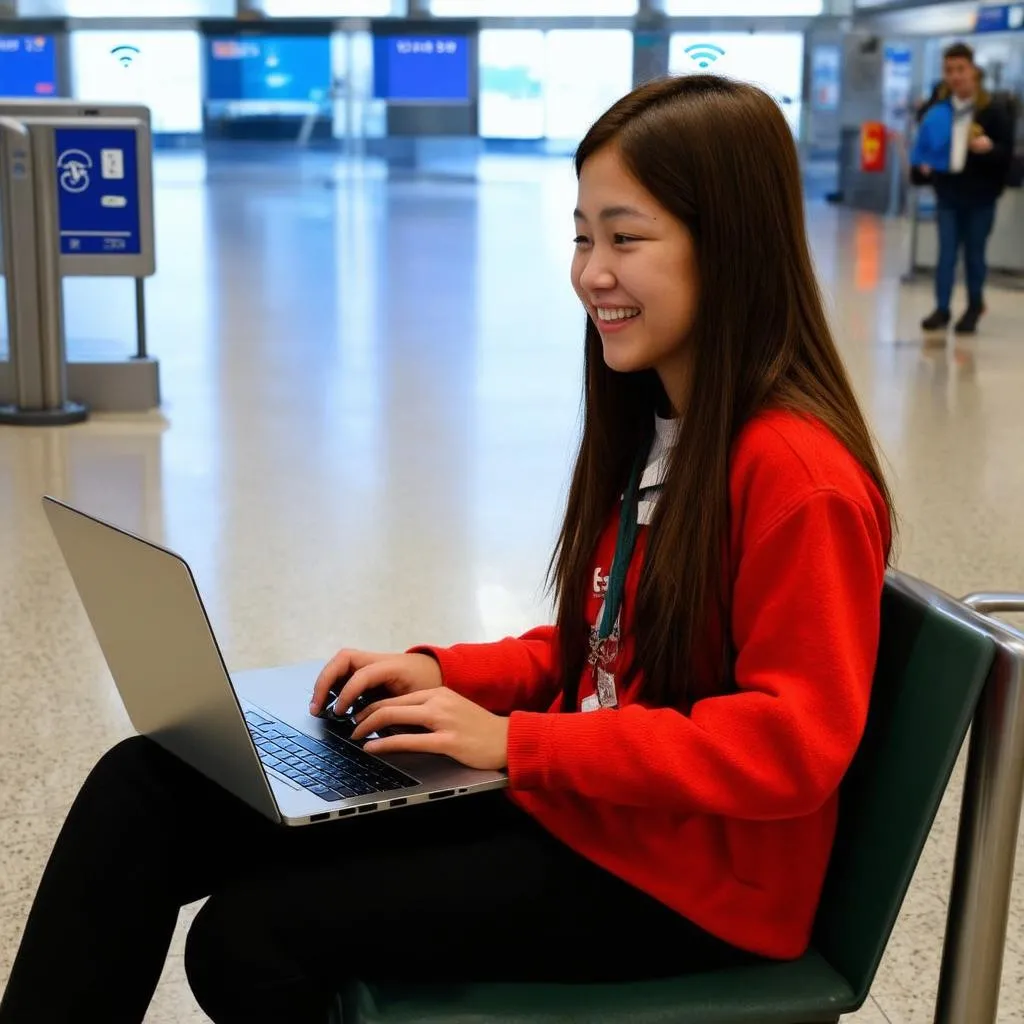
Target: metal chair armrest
992	602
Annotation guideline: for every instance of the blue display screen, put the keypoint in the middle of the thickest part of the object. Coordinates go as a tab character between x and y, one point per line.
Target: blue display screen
268	68
1000	18
28	66
98	191
421	69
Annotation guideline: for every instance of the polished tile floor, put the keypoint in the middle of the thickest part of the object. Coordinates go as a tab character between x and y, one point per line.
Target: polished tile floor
371	396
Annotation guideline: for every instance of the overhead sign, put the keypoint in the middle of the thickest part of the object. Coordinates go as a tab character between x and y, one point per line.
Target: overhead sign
28	66
268	69
421	69
1000	18
98	191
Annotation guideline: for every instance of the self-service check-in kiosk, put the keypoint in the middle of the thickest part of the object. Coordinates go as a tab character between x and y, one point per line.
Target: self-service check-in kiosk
76	199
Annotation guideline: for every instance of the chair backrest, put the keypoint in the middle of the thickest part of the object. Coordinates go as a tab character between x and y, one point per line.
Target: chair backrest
931	668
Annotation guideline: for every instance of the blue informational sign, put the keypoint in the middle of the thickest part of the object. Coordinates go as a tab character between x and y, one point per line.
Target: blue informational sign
897	86
28	66
268	68
1000	18
421	69
826	77
98	191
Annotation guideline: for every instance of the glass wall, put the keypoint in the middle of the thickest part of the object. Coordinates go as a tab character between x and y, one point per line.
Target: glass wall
127	8
554	84
356	112
532	8
744	8
772	60
160	68
586	71
334	8
533	83
512	65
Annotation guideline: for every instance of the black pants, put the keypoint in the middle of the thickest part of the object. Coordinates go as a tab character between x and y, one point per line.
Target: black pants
472	889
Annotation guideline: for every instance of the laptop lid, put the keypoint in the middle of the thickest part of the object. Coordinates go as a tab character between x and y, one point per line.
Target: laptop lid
149	619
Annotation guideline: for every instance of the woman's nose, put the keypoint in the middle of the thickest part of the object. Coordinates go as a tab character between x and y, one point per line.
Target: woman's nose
597	275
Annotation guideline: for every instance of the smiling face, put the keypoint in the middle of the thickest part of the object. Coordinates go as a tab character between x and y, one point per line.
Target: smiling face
635	271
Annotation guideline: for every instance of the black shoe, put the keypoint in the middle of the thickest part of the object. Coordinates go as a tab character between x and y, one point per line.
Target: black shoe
938	321
968	323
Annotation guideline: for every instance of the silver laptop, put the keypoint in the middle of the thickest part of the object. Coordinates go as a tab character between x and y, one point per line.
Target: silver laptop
251	732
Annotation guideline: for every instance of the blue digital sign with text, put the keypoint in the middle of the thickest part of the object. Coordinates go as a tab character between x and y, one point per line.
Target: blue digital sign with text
1000	18
421	69
98	191
28	66
268	68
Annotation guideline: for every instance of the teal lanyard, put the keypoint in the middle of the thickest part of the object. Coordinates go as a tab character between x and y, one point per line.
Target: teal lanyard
625	544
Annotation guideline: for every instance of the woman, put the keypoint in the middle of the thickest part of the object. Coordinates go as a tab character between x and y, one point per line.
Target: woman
674	743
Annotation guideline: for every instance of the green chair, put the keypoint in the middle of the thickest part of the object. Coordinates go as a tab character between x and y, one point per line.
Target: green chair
933	662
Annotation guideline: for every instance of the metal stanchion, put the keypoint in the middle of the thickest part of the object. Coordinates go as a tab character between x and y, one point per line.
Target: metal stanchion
51	291
17	217
141	346
34	300
972	958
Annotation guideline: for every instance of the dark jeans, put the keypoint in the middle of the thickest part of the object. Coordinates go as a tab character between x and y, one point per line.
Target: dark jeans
467	890
963	223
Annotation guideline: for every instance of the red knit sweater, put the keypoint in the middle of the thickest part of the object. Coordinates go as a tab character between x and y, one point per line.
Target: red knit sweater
727	814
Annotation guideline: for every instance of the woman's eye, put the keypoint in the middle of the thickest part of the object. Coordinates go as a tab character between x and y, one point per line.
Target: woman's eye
580	240
621	239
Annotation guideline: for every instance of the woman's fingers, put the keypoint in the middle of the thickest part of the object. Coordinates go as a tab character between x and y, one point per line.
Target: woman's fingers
411	698
455	727
412	743
329	674
387	714
380	673
343	664
359	672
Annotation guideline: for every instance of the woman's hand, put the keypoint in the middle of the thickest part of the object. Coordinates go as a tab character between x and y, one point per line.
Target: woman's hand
981	144
455	726
363	671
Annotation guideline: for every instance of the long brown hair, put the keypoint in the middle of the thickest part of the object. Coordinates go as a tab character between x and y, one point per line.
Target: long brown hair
720	157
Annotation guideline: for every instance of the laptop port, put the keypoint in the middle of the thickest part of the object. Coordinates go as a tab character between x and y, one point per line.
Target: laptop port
367	807
345	814
441	794
398	802
320	817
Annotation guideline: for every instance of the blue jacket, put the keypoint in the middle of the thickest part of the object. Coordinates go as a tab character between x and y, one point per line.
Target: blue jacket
985	174
934	138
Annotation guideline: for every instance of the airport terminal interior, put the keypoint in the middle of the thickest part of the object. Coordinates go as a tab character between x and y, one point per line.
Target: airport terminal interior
370	354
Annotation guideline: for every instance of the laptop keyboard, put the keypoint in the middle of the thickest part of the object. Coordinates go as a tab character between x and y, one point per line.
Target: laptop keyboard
331	768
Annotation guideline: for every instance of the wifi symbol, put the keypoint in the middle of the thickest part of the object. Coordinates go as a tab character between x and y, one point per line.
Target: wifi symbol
125	54
705	53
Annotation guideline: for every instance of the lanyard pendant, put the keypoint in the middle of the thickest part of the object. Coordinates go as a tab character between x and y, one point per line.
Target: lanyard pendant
606	689
603	650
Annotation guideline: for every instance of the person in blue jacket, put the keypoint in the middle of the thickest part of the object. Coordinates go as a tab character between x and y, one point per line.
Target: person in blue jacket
963	149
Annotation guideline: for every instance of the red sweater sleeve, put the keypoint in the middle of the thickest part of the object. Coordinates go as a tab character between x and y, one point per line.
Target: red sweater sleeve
806	603
514	674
